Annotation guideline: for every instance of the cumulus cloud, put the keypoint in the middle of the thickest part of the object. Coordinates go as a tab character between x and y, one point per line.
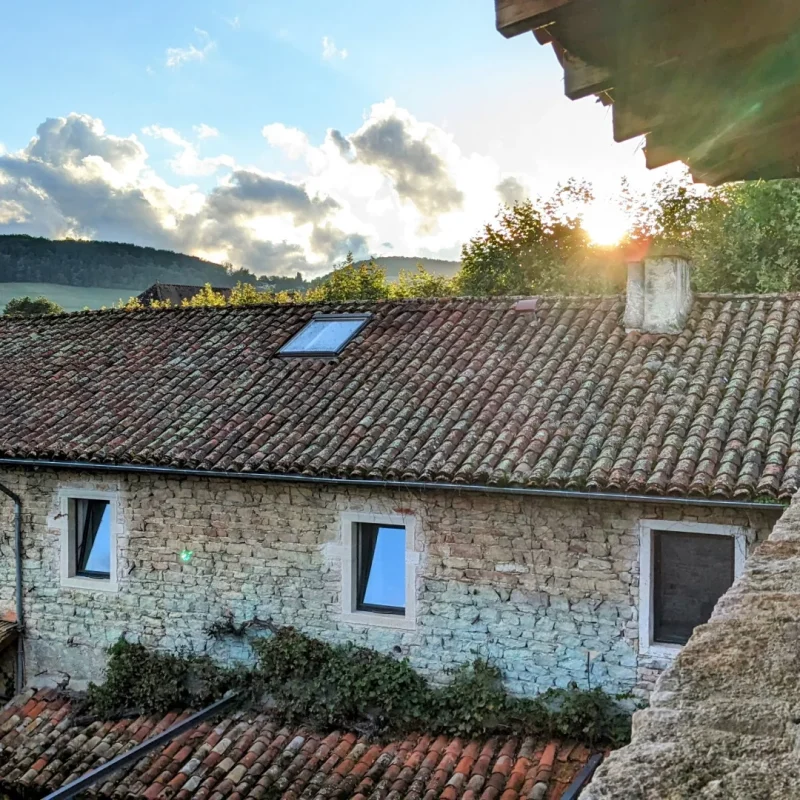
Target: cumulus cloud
330	52
511	190
188	160
291	140
419	173
391	181
178	56
203	131
76	179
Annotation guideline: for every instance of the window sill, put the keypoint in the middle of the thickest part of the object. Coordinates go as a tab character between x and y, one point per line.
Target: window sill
371	619
661	650
90	584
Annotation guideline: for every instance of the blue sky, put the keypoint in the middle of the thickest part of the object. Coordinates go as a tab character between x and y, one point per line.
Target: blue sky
203	126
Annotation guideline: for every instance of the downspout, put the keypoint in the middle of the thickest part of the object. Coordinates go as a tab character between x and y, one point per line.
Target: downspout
20	670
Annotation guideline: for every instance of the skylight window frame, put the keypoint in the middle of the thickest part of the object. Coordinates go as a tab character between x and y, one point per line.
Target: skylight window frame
363	317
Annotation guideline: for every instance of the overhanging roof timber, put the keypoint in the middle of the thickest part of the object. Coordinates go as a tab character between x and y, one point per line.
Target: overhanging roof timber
715	84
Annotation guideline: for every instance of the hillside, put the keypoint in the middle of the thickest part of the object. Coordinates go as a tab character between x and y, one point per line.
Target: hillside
393	265
105	264
128	268
70	298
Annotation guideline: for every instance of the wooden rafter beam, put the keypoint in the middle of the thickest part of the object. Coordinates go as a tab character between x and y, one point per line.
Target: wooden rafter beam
520	16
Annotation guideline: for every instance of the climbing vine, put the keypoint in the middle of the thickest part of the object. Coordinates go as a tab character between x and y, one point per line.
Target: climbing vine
344	686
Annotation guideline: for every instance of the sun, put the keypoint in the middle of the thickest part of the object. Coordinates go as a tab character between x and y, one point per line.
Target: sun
605	222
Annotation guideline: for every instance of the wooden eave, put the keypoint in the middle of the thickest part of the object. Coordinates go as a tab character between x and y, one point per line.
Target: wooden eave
713	83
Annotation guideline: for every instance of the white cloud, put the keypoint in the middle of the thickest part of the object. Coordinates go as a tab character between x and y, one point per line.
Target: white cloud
75	179
390	179
204	131
235	23
330	52
177	56
406	179
292	141
188	160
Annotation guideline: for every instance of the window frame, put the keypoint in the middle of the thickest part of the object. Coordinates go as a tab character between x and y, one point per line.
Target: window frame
372	608
346	317
70	578
72	521
647	527
351	613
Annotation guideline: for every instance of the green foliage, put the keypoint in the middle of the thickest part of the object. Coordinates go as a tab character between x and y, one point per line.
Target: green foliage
31	307
421	283
365	280
536	248
348	686
144	681
344	686
330	686
351	281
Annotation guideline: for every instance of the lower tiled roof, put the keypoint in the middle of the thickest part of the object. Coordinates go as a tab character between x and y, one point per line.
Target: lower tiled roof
8	634
249	755
555	396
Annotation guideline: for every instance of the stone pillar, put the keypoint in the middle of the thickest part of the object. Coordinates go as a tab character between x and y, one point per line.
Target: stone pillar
667	294
659	296
634	299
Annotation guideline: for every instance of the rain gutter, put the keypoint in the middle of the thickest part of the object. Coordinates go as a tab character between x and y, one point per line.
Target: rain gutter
20	670
396	484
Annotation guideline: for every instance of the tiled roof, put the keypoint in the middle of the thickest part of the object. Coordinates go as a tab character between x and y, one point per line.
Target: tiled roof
458	391
8	634
176	293
43	747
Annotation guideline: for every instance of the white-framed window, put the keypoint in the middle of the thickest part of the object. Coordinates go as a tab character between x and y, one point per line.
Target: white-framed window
379	567
89	525
684	568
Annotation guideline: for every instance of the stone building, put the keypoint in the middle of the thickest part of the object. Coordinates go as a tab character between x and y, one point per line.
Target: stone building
565	486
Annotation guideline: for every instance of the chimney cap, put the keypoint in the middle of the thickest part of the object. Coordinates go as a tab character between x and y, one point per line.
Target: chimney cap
528	304
668	250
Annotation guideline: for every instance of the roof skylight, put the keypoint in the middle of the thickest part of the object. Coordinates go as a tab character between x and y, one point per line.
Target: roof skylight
324	335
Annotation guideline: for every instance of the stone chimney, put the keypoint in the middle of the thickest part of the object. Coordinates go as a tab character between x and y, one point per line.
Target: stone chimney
658	294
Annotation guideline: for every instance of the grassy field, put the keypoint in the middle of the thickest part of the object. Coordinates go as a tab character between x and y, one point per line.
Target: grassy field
70	298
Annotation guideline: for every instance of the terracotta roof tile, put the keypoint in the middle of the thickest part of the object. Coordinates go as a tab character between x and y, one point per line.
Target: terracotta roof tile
254	758
465	391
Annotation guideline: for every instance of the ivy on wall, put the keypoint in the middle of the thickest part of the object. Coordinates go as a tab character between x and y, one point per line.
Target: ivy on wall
344	686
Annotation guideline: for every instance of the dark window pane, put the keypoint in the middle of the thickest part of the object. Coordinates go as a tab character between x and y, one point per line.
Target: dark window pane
92	536
381	569
691	571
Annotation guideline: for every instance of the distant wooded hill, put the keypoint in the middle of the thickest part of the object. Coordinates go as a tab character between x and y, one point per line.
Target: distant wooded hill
105	264
70	262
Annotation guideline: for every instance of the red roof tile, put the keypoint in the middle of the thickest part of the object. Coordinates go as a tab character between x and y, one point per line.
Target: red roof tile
257	758
464	391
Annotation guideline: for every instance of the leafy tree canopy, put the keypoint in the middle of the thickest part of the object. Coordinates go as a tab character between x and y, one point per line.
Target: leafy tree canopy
31	307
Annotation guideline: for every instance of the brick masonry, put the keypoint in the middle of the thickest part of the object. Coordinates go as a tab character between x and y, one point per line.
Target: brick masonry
540	586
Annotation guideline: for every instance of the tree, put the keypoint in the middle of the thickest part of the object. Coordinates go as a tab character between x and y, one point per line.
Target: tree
367	281
422	283
740	237
31	307
534	248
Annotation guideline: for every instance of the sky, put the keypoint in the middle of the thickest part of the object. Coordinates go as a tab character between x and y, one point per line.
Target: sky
282	135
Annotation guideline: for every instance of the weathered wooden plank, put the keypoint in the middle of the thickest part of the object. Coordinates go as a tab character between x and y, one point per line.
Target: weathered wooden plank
656	155
582	79
520	16
628	124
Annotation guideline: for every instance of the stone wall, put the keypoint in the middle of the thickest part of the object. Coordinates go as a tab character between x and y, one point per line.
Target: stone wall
543	587
724	719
